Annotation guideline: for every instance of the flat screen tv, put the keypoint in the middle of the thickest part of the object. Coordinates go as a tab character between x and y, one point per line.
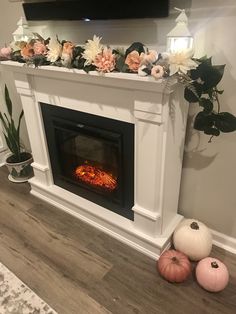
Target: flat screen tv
97	10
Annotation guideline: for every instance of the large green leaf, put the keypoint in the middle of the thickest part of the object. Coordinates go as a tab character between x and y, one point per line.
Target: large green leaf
203	121
8	101
225	122
212	76
203	66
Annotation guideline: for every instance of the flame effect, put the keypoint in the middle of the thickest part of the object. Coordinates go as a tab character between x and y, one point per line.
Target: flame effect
94	176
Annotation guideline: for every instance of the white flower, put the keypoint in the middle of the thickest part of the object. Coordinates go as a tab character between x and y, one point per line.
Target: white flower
92	48
141	71
181	62
55	50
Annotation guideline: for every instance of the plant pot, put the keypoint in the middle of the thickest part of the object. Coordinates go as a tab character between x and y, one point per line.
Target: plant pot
20	171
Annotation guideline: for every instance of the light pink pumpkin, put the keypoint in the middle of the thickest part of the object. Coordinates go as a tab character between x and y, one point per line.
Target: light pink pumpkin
212	274
174	266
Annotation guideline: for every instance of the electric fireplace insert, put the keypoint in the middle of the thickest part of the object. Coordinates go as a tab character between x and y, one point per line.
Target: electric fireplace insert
92	156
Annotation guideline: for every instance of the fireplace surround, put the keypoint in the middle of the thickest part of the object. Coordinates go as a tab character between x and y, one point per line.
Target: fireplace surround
92	156
157	114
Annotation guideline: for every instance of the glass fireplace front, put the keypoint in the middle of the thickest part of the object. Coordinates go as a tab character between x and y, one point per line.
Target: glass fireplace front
92	156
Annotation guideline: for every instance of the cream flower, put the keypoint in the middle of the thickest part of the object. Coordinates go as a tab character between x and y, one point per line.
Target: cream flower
92	49
181	62
55	50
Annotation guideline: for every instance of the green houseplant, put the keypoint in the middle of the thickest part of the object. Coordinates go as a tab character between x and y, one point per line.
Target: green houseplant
19	161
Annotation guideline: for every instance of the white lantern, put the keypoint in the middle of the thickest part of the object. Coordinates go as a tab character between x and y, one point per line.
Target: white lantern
22	33
179	38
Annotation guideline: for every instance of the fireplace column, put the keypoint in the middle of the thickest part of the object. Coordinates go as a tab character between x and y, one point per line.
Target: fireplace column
160	131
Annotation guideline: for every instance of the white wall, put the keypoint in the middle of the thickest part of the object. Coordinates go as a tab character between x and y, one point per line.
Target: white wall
207	190
10	12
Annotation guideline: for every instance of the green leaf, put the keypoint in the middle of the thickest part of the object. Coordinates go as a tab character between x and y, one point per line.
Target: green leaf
203	66
206	104
137	46
212	76
77	51
212	131
203	121
193	92
8	101
4	123
120	64
78	63
225	122
19	123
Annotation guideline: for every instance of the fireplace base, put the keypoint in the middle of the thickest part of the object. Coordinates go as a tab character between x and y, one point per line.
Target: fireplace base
159	114
121	228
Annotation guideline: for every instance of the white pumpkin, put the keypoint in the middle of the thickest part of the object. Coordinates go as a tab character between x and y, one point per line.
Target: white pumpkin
193	238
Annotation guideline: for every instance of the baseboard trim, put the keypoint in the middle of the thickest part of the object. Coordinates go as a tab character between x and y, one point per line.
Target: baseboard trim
224	241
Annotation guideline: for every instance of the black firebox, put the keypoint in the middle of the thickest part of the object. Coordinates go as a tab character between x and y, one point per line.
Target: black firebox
92	156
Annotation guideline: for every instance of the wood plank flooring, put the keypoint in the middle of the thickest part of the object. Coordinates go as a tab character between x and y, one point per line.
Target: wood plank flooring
78	269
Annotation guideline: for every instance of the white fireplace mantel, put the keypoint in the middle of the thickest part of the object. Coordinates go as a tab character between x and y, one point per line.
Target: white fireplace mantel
159	113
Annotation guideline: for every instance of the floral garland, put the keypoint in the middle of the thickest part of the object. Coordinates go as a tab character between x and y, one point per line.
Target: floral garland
199	76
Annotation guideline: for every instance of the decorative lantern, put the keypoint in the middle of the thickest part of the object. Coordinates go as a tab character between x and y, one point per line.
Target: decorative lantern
179	38
22	33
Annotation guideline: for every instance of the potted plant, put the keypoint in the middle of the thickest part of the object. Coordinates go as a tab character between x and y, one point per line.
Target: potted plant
19	161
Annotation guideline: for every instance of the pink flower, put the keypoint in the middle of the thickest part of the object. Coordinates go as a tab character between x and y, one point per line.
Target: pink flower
105	61
134	60
5	52
39	48
157	71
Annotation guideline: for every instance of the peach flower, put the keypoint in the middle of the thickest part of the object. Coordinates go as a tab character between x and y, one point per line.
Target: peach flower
39	48
68	48
67	53
134	60
27	51
105	61
157	71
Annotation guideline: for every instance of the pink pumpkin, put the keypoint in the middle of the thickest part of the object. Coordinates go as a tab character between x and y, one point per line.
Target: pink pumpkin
212	274
174	266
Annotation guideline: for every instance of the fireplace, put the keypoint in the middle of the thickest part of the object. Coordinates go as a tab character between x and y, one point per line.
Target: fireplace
107	149
92	156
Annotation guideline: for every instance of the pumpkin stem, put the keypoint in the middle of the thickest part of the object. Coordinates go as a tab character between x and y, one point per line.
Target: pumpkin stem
174	259
214	265
194	225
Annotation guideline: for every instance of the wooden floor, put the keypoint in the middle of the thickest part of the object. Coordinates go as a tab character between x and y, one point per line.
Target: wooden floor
78	269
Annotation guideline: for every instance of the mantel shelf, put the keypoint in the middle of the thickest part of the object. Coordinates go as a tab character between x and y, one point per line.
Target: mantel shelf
123	80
